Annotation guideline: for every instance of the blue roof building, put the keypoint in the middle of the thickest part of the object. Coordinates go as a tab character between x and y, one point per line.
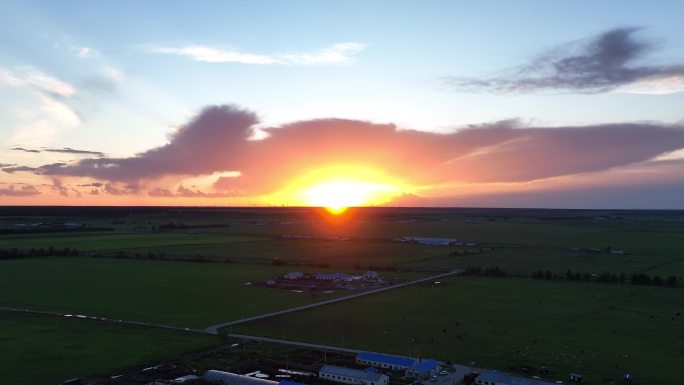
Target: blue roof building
384	361
423	369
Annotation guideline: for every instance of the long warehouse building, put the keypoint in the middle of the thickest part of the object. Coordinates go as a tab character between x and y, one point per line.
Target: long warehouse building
352	376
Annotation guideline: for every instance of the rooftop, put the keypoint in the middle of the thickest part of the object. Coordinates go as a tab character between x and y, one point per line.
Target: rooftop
426	366
349	372
387	359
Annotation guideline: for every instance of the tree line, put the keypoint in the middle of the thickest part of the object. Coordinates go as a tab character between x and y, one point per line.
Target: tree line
15	253
605	277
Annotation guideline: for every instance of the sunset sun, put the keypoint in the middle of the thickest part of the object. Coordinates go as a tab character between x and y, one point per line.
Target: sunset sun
337	196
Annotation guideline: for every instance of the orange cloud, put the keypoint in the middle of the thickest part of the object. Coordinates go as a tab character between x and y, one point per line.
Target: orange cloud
474	159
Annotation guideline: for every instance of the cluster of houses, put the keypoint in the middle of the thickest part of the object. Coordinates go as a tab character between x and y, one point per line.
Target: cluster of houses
598	250
420	369
436	241
299	280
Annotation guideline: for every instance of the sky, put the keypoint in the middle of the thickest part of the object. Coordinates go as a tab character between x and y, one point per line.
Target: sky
551	104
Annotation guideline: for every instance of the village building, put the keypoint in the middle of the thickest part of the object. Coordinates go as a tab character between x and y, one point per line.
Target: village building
351	376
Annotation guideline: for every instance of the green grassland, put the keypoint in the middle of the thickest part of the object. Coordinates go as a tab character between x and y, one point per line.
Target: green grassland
39	350
111	241
518	241
600	330
164	292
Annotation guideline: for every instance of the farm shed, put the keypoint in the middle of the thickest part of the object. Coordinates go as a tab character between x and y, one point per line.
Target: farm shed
333	277
430	241
371	275
351	376
294	275
423	369
384	361
225	378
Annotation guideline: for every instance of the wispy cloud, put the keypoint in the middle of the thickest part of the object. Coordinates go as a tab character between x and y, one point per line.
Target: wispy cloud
84	52
24	149
68	150
64	150
601	64
185	192
31	77
339	53
52	94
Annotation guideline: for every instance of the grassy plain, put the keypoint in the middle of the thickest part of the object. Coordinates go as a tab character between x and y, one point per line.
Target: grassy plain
600	330
39	350
164	292
517	240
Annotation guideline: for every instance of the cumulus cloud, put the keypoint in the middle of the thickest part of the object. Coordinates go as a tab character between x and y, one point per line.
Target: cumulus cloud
218	140
22	191
603	63
339	53
192	150
58	187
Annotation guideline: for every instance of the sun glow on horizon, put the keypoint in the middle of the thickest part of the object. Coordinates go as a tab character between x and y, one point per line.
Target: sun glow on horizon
337	187
336	196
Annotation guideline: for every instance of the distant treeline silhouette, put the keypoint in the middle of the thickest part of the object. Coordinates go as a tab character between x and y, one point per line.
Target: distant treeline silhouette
605	277
15	253
40	230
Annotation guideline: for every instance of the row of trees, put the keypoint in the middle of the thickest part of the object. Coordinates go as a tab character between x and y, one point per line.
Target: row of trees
606	277
15	253
495	271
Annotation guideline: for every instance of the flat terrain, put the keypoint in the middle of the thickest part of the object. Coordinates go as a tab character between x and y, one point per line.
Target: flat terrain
38	350
134	264
601	330
518	241
183	294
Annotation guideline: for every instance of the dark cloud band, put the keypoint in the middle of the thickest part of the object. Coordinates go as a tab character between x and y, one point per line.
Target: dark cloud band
602	64
218	140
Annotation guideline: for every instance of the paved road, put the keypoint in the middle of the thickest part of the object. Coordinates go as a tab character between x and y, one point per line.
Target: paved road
214	329
293	343
101	319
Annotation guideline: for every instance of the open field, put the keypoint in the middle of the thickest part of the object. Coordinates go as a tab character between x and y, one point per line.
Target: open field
172	293
518	241
38	350
599	330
